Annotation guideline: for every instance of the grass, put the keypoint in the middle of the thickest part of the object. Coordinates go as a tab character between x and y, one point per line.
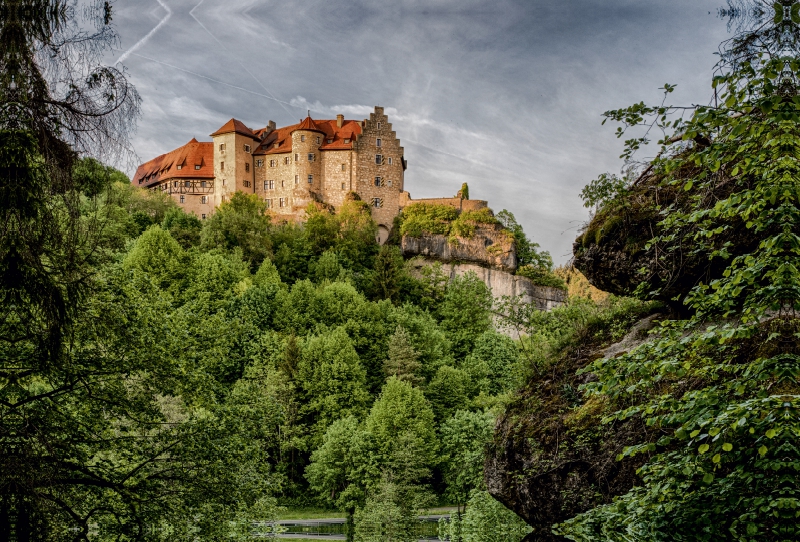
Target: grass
311	513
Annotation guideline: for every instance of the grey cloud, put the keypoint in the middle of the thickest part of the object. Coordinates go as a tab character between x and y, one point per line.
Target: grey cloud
505	95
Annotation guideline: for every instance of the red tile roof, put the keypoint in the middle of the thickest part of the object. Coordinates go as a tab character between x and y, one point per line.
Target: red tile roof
328	128
235	126
165	167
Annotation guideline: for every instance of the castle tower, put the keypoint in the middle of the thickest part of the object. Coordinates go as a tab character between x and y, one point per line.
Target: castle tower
307	162
234	144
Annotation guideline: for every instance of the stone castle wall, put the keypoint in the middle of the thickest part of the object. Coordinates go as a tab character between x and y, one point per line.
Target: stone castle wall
457	203
389	172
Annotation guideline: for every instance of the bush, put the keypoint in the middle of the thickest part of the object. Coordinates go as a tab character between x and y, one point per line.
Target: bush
542	277
421	218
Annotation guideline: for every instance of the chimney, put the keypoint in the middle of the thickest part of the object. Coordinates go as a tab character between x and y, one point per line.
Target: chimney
270	126
339	120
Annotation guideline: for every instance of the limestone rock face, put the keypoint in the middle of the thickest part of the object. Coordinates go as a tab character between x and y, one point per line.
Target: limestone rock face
489	246
503	283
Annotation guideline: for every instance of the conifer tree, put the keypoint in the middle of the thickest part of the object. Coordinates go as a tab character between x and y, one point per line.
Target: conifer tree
403	361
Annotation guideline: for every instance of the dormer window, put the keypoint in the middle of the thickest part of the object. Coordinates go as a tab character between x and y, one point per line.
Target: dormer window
330	141
277	145
197	166
180	167
347	140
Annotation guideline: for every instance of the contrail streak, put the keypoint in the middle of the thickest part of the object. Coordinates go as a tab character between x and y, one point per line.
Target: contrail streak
149	35
211	79
237	60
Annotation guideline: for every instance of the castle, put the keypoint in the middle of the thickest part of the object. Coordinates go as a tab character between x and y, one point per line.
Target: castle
290	167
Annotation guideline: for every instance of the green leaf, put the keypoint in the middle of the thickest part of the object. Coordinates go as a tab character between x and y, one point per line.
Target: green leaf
703	448
771	433
708	478
727	447
688	186
762	451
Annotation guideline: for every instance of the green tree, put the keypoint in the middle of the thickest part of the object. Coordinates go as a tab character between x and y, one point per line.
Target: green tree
402	408
184	227
387	278
449	391
333	380
494	363
241	222
721	385
465	312
342	468
403	361
464	438
158	255
485	520
327	267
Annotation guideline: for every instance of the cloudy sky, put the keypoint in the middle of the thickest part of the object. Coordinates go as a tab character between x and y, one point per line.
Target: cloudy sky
506	95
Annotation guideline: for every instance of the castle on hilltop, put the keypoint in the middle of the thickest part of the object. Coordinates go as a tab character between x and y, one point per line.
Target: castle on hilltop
313	161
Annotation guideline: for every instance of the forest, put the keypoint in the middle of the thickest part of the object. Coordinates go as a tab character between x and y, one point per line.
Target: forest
167	378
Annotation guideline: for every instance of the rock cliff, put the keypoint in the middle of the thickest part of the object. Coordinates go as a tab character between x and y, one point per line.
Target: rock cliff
489	246
551	458
502	283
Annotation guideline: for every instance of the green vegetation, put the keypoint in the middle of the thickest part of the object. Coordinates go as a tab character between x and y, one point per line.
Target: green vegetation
717	391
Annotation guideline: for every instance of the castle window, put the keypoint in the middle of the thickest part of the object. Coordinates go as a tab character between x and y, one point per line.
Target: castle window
377	202
222	147
310	179
268	202
183	198
247	167
187	184
296	179
272	163
286	160
197	167
203	216
378	142
302	138
311	157
296	157
318	140
282	202
281	184
246	183
247	148
223	182
377	181
203	199
389	183
269	185
390	161
343	187
379	126
202	184
222	166
379	159
344	168
175	184
259	163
